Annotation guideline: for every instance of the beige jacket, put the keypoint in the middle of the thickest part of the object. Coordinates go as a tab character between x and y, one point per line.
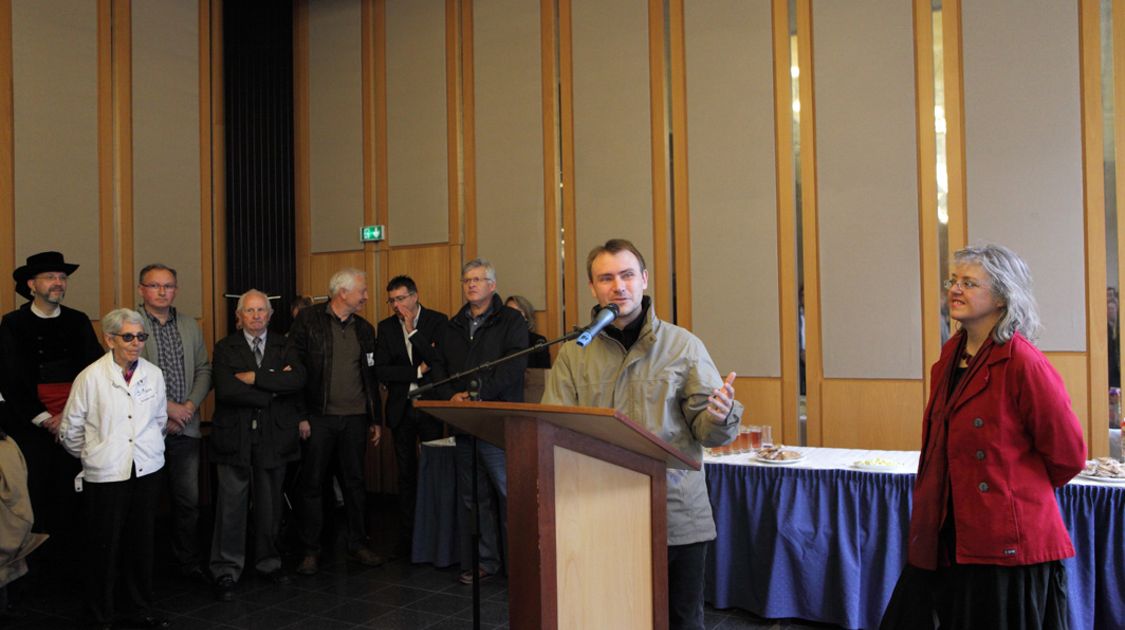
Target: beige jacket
663	382
16	539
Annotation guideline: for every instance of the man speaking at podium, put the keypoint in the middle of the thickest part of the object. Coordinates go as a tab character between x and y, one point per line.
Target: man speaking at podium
661	376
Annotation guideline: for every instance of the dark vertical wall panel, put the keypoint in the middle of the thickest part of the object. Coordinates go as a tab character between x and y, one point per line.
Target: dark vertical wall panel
258	90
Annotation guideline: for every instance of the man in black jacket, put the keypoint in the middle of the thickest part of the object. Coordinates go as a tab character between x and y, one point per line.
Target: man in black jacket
402	369
43	347
483	330
339	410
258	378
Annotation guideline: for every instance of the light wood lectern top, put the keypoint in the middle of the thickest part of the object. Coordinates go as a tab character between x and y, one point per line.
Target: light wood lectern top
587	514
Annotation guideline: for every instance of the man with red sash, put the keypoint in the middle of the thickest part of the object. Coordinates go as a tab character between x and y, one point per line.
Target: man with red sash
43	347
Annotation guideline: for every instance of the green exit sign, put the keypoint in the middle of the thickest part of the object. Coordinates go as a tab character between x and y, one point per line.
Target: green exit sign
369	233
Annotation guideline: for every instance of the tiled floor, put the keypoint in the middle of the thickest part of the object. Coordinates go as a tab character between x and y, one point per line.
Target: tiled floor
398	595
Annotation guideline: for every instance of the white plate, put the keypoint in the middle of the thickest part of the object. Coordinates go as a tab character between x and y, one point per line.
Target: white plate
777	462
1113	480
876	467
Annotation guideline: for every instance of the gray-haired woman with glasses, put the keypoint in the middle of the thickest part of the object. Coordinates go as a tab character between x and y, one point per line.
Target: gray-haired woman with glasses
114	422
999	435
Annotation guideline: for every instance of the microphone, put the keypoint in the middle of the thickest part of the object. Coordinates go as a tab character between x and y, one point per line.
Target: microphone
604	318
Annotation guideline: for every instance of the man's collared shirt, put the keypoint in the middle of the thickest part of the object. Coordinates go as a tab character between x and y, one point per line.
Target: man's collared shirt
40	314
475	322
410	347
170	354
345	382
250	340
46	415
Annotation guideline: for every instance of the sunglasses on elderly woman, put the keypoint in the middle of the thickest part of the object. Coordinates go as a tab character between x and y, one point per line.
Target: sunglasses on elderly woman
129	337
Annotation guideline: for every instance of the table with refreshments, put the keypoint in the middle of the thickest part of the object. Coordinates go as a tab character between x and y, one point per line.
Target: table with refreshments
821	534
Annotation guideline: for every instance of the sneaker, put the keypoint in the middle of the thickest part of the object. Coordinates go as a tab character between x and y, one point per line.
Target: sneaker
366	557
224	588
309	565
466	577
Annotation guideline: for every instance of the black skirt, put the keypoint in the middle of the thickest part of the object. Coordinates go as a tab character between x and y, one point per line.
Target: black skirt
979	597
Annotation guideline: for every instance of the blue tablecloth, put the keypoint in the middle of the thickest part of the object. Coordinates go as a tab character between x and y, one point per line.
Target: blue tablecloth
828	545
435	517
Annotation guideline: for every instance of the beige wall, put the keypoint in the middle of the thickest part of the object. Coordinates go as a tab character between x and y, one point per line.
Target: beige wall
509	145
335	125
732	184
867	193
418	201
612	152
1023	150
111	143
55	123
166	192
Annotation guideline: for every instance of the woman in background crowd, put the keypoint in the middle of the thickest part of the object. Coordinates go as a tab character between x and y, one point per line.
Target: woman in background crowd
539	358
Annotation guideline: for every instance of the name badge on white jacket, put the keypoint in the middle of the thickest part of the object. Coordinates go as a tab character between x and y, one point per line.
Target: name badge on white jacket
143	391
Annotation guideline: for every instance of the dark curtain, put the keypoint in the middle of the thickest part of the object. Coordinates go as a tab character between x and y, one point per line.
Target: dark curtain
258	93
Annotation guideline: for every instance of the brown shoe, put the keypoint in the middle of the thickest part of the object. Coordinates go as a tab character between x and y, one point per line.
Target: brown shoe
308	566
366	557
466	577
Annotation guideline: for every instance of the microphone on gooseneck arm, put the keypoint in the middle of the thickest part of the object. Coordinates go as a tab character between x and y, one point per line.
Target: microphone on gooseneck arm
604	318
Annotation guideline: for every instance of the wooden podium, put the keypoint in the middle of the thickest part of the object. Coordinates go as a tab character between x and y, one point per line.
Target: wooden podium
587	519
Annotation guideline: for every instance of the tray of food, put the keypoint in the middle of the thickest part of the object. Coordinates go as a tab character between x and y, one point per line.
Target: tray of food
1104	469
777	455
876	464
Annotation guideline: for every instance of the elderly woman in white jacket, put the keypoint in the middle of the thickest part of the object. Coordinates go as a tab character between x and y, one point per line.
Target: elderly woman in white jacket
114	422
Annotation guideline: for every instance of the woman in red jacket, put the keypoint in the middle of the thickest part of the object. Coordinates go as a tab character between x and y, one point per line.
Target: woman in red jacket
986	537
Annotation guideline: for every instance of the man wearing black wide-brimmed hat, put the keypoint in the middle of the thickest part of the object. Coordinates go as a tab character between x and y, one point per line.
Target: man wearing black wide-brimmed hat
43	347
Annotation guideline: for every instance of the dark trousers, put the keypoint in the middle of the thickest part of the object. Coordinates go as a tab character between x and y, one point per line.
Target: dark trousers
686	569
414	427
492	496
50	483
119	518
237	484
181	464
340	440
57	507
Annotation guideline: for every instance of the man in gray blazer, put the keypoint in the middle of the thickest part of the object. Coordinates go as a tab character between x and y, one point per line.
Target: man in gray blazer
176	345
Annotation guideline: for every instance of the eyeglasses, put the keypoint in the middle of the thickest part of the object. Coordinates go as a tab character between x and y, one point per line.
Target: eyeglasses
54	277
965	284
156	287
129	337
472	281
399	299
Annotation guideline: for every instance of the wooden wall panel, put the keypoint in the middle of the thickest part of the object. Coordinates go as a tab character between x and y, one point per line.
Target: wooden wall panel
1095	225
429	267
323	265
761	398
1073	369
55	126
7	197
873	414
